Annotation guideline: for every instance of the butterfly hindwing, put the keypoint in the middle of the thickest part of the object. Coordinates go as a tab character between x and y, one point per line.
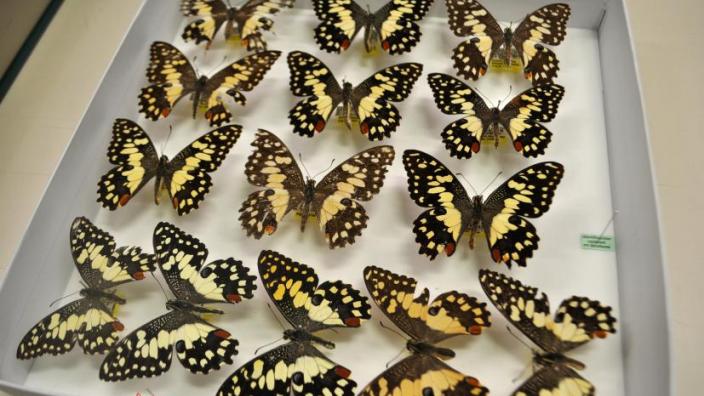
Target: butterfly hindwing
172	78
271	165
187	178
147	351
377	117
452	96
341	217
555	380
311	78
528	193
136	162
341	20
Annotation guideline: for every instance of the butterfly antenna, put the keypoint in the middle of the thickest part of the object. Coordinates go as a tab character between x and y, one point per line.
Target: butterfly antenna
256	351
486	98
324	170
395	357
61	298
510	89
195	66
300	159
491	182
276	317
160	286
467	181
383	326
522	373
163	146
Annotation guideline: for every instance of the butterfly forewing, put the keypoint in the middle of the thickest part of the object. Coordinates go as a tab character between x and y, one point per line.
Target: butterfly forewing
271	165
187	178
311	78
341	20
137	162
555	380
379	118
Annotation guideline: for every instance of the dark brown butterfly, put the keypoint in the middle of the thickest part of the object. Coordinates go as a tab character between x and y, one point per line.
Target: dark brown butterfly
548	25
335	200
578	320
173	77
247	21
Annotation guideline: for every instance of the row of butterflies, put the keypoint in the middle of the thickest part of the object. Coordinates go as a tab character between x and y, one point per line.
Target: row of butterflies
336	199
393	27
298	367
172	78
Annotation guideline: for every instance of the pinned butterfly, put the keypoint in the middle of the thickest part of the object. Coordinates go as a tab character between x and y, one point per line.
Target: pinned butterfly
172	78
369	102
248	22
393	26
502	216
335	200
521	118
450	314
547	25
298	367
185	177
89	321
578	320
200	346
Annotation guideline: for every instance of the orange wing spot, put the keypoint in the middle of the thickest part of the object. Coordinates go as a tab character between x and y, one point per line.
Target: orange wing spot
353	322
345	44
319	126
117	326
482	71
138	275
245	42
364	128
342	371
496	255
208	115
449	249
475	330
234	298
165	112
174	202
124	199
270	229
528	75
518	146
385	45
473	381
220	333
600	334
475	147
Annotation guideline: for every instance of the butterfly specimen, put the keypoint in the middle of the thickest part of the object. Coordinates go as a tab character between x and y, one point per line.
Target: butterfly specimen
298	367
577	321
172	77
502	216
185	177
520	118
200	346
548	25
335	200
248	21
89	320
393	25
450	314
369	102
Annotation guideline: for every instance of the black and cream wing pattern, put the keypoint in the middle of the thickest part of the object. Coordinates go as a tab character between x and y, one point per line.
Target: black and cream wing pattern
577	321
335	200
393	26
200	346
427	323
185	177
521	118
298	367
172	77
502	216
89	321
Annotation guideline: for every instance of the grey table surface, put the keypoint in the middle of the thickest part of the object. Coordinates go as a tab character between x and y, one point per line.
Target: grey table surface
48	99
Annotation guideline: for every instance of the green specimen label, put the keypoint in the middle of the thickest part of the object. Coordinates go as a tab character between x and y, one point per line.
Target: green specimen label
606	243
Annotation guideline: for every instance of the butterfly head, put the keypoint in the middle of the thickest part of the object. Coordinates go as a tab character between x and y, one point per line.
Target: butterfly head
552	358
202	80
420	347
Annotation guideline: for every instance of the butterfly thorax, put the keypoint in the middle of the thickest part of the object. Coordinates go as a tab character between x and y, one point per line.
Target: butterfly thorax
347	103
371	35
547	359
308	198
198	93
475	219
101	295
494	126
301	335
506	51
160	178
421	347
182	305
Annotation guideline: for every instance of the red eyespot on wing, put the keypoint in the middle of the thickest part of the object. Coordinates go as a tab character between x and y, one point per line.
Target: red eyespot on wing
496	255
473	381
117	326
342	372
475	147
245	42
208	115
518	146
165	112
124	199
449	249
600	334
482	71
220	333
345	44
138	275
175	202
234	298
528	75
269	229
385	45
319	126
364	128
353	322
475	330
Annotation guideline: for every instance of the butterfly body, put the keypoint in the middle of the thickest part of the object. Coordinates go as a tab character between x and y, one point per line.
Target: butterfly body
302	336
422	347
556	358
